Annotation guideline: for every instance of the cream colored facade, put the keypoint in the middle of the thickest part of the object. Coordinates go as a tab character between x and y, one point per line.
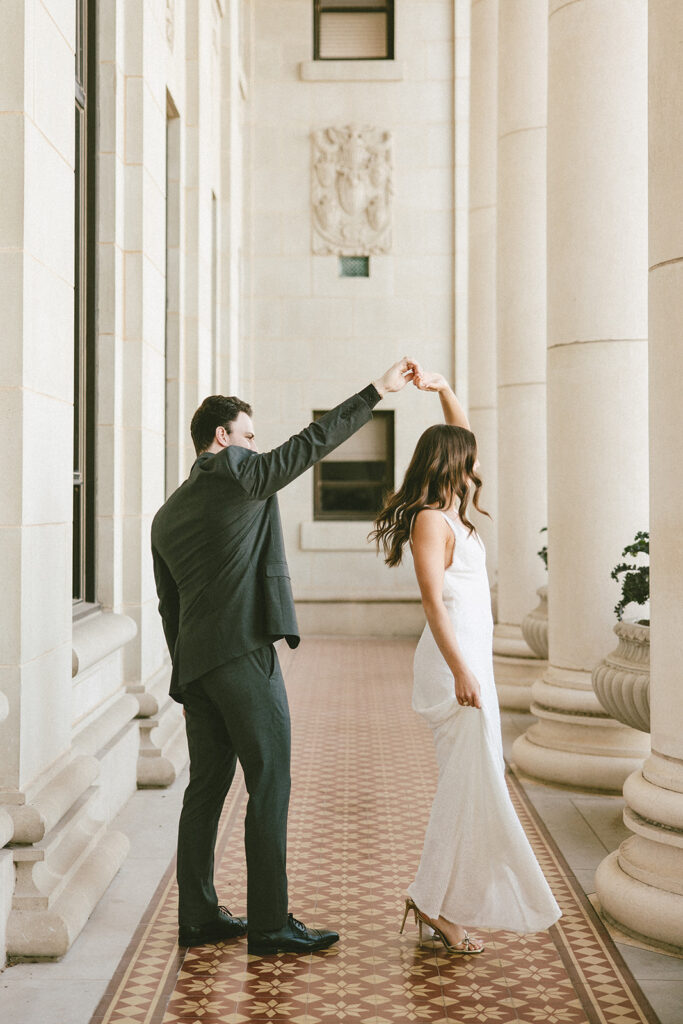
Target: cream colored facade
208	279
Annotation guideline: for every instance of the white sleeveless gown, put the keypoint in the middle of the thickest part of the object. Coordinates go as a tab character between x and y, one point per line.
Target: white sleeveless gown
477	867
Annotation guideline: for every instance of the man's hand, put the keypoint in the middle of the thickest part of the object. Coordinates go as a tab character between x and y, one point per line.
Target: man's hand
397	376
426	381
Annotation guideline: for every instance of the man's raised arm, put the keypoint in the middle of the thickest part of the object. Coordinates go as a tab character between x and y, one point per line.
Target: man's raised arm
262	474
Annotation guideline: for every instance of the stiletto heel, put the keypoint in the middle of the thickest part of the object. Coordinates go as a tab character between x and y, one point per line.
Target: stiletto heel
408	909
462	948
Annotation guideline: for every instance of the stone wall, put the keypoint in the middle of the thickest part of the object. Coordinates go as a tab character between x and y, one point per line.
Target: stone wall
317	337
84	708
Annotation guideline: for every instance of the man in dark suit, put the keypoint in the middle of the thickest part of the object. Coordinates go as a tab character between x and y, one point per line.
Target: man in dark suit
224	598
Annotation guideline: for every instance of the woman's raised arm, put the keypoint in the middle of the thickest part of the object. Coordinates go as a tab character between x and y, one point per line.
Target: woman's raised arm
453	412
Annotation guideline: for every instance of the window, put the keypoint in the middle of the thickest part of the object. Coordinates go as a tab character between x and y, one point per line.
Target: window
350	483
354	266
84	309
353	30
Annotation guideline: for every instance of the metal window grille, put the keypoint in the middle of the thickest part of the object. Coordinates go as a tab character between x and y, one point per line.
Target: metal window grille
354	266
353	29
350	483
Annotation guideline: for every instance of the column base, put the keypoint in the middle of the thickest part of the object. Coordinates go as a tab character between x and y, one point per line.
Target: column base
571	769
574	743
652	914
641	885
515	667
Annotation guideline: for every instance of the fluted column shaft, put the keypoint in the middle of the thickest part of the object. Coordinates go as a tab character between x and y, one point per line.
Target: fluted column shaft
482	259
641	885
597	374
521	329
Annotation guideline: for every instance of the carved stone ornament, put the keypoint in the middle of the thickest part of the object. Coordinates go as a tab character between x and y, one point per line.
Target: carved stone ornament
351	191
170	22
622	679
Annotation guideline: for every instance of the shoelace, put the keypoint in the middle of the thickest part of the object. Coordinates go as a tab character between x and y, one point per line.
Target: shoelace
225	911
297	924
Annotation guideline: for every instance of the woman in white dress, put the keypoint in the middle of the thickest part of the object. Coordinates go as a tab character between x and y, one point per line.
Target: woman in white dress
477	865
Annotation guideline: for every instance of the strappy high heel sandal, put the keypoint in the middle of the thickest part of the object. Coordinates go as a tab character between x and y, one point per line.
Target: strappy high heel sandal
462	948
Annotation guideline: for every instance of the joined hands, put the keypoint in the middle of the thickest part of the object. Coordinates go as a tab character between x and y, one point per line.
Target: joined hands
407	371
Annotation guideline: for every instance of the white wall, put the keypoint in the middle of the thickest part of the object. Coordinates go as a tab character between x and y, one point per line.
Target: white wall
317	338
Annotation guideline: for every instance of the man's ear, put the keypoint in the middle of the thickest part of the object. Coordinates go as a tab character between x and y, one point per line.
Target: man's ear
222	437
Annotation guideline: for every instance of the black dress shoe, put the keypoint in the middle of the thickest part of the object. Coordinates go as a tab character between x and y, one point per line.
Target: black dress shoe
295	937
218	929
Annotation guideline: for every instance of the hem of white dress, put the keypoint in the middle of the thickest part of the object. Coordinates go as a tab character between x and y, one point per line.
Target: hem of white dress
542	924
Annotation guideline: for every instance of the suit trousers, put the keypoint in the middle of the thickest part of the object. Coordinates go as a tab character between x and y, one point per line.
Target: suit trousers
238	711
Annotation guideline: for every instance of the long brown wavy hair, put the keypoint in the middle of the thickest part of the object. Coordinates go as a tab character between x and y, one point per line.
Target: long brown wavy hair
439	473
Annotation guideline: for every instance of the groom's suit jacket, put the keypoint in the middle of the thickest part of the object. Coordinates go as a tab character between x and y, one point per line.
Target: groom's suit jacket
219	558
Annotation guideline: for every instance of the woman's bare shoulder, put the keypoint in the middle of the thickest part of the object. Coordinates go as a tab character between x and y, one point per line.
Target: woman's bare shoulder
429	521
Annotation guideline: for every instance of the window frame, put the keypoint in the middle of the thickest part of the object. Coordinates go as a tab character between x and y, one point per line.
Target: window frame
329	7
85	169
387	484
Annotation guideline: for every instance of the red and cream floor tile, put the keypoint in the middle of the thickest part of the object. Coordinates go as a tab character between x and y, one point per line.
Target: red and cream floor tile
363	778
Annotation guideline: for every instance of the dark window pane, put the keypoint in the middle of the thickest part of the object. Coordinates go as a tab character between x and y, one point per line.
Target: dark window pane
77	571
361	499
353	487
355	471
84	304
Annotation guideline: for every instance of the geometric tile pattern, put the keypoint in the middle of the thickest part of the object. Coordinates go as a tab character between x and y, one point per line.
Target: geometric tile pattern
363	778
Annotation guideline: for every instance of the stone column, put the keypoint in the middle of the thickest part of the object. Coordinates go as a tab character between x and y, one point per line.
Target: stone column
641	884
64	855
521	319
461	213
6	859
597	373
482	259
163	747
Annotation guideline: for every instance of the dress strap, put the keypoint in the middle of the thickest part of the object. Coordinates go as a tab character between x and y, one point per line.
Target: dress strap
448	519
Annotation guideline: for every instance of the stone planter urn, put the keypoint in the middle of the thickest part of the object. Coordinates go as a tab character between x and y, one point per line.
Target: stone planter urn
535	626
622	680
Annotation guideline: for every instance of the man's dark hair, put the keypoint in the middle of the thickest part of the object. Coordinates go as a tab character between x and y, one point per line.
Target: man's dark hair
215	411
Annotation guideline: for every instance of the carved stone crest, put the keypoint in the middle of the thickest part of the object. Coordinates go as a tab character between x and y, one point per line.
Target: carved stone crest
351	191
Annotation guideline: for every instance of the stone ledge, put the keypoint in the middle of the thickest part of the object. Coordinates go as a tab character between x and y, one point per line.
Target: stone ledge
97	636
50	933
163	746
351	71
152	696
34	819
99	733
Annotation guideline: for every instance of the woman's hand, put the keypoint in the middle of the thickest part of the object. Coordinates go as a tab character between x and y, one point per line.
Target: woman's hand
453	412
426	381
467	689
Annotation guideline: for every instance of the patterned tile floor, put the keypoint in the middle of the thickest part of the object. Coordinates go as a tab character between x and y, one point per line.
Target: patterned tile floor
363	777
